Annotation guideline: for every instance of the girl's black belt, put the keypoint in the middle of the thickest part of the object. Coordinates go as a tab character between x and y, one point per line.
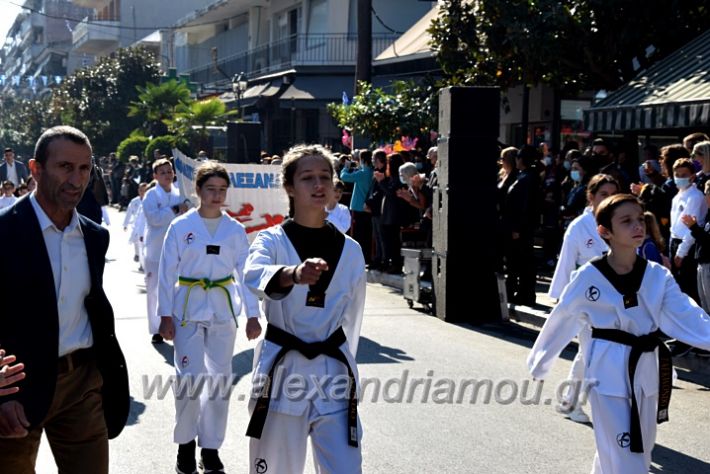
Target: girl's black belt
289	342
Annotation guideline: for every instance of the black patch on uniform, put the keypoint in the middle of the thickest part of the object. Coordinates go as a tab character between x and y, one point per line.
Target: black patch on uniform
623	439
213	250
592	293
260	465
316	300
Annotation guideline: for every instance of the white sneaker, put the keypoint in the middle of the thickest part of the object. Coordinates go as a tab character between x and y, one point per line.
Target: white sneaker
578	416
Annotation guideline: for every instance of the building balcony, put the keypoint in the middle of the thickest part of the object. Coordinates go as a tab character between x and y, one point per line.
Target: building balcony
297	50
30	54
95	37
97	4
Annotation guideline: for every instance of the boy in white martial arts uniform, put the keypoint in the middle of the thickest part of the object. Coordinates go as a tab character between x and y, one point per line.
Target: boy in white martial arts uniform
626	301
160	206
132	212
338	214
7	198
201	293
581	243
312	280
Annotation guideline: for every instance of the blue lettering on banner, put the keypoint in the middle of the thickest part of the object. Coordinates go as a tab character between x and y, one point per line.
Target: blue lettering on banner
255	180
184	169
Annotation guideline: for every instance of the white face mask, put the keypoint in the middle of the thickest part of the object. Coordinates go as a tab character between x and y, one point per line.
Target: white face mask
567	165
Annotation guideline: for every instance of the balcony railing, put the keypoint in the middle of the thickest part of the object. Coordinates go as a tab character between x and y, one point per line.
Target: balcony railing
94	36
297	50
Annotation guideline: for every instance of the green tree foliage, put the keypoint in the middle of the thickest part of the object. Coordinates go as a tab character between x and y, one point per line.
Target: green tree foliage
191	121
164	143
134	145
96	99
410	109
23	121
157	103
568	44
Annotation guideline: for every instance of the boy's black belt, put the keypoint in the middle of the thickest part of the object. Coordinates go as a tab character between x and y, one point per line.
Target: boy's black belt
289	342
640	345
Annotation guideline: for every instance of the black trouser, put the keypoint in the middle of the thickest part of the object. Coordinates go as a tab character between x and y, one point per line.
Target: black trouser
362	233
687	274
393	245
520	263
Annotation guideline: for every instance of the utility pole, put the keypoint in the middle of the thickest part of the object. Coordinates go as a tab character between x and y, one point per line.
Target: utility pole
363	69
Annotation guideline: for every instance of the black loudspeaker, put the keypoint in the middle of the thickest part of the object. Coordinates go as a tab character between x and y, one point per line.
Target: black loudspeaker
243	142
465	214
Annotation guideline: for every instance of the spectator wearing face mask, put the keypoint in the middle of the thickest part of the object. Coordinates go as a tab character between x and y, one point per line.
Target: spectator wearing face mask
689	201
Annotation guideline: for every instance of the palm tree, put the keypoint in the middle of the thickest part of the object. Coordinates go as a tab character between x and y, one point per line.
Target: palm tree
157	103
198	115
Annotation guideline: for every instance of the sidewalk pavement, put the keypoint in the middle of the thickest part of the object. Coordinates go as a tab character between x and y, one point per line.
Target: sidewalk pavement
688	366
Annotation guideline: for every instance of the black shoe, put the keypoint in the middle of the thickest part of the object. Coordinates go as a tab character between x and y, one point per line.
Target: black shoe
210	462
157	339
186	459
679	349
701	353
135	258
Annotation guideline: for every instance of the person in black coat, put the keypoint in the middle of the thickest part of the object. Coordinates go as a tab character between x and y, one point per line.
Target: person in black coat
57	320
520	219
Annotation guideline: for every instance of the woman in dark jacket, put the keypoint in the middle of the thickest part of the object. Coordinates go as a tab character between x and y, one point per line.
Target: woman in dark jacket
394	212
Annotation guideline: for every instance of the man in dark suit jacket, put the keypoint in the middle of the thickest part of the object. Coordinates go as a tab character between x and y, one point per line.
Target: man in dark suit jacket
57	320
20	168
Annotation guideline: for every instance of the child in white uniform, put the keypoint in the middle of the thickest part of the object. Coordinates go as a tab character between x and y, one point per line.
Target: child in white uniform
338	214
201	293
312	280
132	212
581	244
7	198
160	206
626	301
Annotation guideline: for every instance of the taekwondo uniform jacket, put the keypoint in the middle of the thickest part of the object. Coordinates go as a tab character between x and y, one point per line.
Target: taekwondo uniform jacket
30	320
132	211
581	243
158	212
344	306
591	300
191	251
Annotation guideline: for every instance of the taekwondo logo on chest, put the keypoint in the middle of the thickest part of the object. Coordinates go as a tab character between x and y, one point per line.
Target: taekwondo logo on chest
189	238
592	293
589	243
623	439
260	465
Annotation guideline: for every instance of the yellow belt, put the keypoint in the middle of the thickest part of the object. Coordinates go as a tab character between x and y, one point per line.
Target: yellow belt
206	285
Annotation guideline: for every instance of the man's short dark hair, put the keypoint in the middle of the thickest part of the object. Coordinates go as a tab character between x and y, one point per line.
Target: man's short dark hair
55	133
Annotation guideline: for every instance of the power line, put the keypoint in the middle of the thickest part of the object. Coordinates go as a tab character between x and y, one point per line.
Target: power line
379	20
120	27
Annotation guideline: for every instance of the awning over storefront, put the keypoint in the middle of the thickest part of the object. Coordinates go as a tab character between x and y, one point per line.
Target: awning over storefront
673	93
312	91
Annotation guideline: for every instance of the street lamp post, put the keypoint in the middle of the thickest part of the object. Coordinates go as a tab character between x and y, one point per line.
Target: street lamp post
239	85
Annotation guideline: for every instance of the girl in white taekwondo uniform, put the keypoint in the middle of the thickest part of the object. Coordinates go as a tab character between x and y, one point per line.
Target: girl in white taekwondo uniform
160	206
626	300
201	293
581	244
312	280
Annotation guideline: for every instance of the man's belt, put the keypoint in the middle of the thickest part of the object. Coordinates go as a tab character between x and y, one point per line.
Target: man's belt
640	345
289	342
206	284
79	357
